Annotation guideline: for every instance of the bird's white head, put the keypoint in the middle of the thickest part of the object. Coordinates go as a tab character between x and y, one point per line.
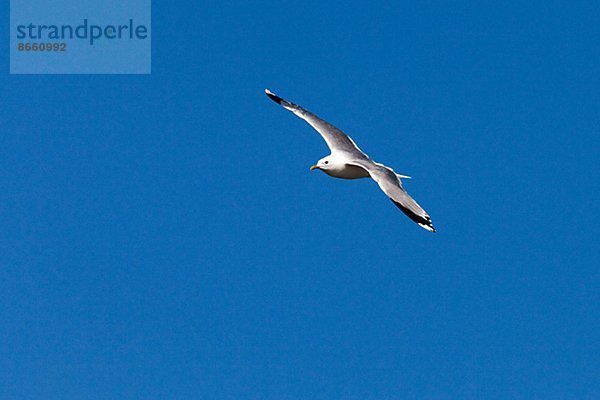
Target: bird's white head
324	163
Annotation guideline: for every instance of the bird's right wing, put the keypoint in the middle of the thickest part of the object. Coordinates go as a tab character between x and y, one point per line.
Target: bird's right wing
336	139
390	183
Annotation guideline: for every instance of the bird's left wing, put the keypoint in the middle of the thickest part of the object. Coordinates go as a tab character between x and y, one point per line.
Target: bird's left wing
335	138
390	183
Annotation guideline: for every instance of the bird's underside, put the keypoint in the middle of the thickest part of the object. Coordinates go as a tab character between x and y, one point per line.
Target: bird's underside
353	172
347	161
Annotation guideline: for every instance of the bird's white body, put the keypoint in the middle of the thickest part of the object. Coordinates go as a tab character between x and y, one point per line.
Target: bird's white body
347	172
337	165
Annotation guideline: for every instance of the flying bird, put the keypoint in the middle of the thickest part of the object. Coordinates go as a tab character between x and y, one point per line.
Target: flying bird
347	161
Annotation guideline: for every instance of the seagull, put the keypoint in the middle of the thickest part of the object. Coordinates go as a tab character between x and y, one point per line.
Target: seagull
347	161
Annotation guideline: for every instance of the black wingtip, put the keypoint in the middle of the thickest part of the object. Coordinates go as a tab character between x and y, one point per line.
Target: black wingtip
274	97
424	222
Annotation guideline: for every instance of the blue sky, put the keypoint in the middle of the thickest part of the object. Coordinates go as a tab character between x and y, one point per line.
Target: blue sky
162	236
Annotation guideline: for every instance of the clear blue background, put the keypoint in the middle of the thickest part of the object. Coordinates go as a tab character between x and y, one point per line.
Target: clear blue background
162	236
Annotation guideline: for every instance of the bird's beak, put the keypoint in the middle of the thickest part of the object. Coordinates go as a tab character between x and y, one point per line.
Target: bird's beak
314	167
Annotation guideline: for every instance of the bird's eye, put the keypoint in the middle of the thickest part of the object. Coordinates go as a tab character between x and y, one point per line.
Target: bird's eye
325	162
